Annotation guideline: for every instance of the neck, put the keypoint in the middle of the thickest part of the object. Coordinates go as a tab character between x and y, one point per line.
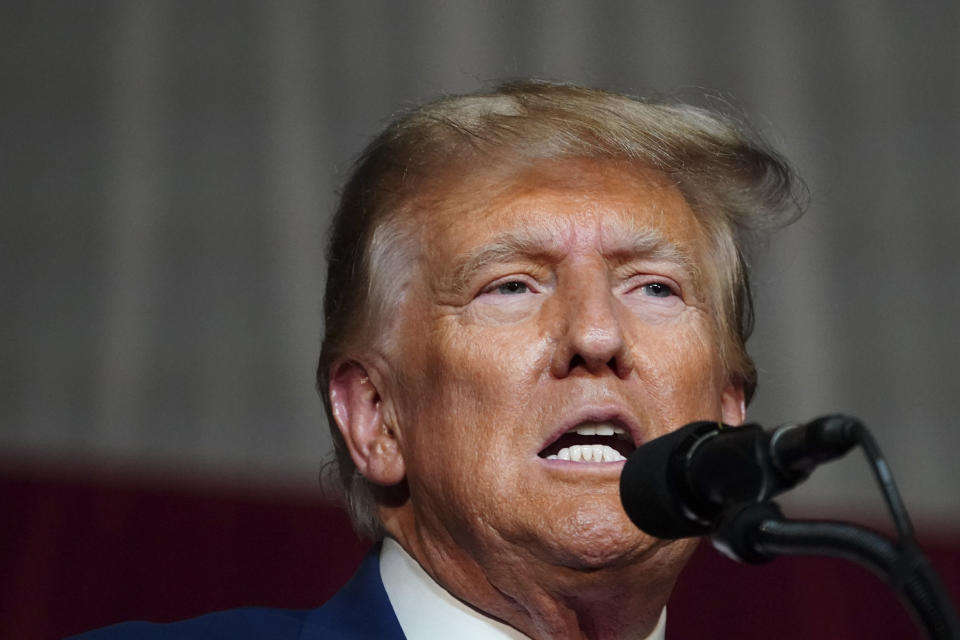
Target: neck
578	607
549	601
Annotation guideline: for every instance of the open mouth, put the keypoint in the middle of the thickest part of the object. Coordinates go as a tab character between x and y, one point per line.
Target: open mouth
591	442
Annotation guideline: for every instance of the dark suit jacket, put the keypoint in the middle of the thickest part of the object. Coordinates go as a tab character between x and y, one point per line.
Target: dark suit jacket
360	610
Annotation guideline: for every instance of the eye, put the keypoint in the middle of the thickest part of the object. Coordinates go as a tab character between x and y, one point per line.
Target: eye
657	290
512	287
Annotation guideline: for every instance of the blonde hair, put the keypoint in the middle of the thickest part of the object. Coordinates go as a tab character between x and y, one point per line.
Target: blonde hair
735	184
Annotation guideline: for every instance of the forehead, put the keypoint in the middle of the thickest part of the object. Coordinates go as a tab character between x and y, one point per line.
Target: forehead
562	204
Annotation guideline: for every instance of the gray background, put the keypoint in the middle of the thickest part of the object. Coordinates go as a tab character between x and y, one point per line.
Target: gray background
167	170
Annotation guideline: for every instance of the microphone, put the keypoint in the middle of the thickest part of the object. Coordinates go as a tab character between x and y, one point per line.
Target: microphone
680	484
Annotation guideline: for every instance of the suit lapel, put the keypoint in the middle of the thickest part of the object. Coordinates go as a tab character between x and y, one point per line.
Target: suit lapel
358	611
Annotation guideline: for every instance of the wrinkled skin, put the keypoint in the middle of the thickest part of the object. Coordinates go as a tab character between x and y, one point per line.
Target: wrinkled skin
591	308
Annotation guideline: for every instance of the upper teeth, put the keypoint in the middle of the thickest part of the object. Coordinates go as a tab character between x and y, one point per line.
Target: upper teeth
599	430
588	453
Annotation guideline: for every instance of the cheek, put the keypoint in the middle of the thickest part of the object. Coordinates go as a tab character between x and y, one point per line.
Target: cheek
682	371
484	360
469	380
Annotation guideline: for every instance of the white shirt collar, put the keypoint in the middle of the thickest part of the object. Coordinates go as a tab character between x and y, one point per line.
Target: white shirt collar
426	610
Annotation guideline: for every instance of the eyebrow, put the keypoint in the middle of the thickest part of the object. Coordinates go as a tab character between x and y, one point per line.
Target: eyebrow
649	243
504	247
511	245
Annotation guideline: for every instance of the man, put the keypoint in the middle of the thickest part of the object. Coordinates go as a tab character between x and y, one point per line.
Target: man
523	287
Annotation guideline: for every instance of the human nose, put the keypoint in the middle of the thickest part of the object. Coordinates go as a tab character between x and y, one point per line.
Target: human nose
591	335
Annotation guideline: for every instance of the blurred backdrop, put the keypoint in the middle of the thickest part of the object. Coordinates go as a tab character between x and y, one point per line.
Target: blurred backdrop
168	169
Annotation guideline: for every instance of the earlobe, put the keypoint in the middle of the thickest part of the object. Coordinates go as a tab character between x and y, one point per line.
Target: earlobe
358	410
734	404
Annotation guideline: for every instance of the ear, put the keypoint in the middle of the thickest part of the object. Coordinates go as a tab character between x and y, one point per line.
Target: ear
733	404
359	413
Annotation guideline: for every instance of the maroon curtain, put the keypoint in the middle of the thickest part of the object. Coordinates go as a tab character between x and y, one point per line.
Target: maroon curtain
77	553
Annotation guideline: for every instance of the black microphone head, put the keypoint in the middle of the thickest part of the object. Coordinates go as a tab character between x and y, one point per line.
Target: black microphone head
650	489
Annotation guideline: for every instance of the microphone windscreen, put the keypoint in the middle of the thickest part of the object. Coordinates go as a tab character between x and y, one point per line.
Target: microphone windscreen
651	484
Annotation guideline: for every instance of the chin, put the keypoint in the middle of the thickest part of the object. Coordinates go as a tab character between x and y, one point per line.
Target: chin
592	538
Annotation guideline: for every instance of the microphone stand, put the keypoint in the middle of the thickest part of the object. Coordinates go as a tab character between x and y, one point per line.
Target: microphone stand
757	532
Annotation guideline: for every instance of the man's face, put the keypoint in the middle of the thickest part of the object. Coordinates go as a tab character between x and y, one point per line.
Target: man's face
566	297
